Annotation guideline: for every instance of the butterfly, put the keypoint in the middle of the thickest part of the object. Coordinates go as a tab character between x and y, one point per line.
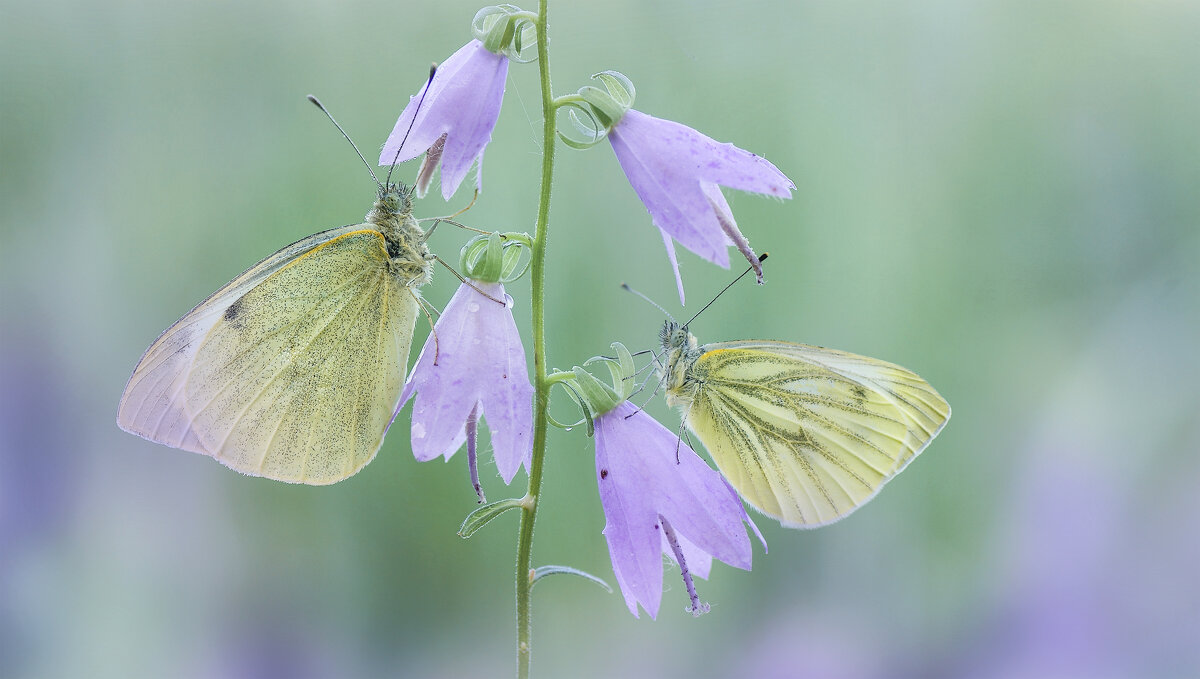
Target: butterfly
293	369
805	434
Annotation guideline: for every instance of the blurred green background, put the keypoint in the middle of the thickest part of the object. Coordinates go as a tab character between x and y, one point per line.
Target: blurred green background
1001	196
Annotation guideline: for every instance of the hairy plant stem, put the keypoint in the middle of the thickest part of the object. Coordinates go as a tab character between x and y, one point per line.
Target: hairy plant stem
524	579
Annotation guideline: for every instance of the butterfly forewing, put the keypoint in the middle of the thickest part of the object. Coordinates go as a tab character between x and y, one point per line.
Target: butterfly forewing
153	404
808	434
292	371
297	386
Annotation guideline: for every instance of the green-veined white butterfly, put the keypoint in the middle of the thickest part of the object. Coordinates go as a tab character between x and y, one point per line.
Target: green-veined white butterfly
805	434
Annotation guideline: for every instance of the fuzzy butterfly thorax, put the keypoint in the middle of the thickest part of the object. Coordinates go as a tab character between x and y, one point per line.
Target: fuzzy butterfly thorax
409	257
680	350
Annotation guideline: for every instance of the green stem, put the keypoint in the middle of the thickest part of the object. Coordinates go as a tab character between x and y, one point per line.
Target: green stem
541	383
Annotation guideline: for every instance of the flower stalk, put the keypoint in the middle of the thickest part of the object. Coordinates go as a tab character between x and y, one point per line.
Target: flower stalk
524	584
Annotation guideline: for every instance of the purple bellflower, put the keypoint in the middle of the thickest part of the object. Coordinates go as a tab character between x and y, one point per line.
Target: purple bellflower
473	365
659	498
455	112
677	173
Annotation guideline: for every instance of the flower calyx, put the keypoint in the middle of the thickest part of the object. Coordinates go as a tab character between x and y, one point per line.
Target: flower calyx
594	396
603	108
495	257
508	30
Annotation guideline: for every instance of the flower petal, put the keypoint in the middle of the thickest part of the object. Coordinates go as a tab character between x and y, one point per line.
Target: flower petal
462	101
676	171
640	479
631	526
508	395
671	257
658	161
480	363
478	101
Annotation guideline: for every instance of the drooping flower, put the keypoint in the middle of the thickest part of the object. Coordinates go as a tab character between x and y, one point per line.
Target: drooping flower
472	366
677	173
455	112
659	498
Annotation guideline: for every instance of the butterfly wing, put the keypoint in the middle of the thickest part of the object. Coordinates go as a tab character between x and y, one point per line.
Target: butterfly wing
808	434
291	371
152	406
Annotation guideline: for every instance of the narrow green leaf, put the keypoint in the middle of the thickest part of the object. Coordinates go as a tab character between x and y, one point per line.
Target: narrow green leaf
542	571
480	517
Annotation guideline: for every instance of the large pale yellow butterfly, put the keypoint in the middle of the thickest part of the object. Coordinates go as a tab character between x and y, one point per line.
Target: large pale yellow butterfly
293	370
805	434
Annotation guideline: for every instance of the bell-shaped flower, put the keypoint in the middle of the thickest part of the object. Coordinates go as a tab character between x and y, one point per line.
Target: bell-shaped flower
659	498
677	173
451	118
473	366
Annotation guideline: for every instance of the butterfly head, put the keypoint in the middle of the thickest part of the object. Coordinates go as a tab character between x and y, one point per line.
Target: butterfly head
674	336
679	353
392	201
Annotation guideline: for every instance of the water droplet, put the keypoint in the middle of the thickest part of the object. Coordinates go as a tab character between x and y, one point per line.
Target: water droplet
473	307
508	301
418	430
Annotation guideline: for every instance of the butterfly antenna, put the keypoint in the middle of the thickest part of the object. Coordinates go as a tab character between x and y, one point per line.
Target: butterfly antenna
396	158
656	305
317	102
761	258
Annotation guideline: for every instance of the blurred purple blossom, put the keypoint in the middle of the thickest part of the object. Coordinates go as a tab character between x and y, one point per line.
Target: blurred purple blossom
475	367
659	498
458	108
677	173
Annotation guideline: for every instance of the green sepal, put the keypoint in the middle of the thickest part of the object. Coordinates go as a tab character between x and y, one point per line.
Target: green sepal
511	260
505	29
622	369
569	382
565	427
595	132
604	108
483	515
598	396
494	257
619	87
594	396
543	571
611	103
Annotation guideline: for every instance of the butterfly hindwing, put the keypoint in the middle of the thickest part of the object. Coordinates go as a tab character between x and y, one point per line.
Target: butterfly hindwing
808	434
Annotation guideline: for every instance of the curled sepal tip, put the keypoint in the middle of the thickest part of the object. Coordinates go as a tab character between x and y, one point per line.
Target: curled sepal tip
508	30
495	257
603	108
596	397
